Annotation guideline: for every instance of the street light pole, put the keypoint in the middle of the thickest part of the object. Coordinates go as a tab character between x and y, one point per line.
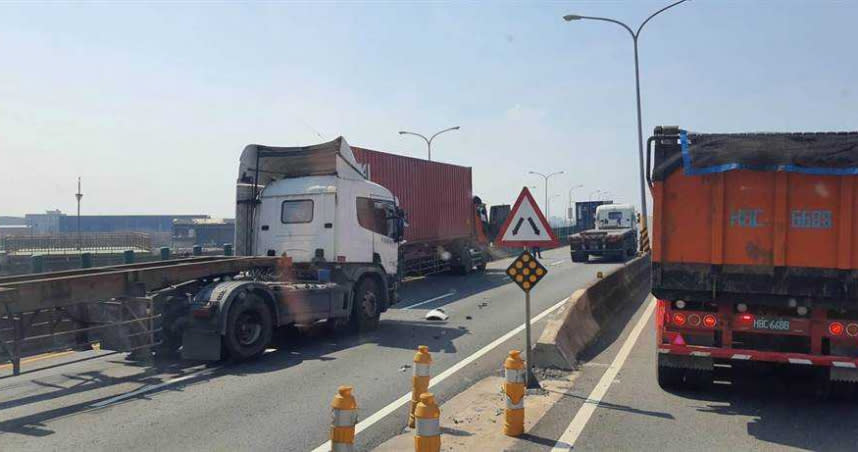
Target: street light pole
78	196
635	35
428	140
547	213
569	206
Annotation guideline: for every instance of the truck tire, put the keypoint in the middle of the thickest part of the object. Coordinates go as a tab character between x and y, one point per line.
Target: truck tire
580	257
698	379
365	308
670	377
249	327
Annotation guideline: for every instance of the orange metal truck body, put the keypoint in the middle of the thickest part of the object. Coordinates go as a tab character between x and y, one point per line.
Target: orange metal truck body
757	218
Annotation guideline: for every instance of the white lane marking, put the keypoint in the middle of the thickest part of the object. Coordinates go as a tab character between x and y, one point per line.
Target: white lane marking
142	390
396	404
567	440
557	262
451	293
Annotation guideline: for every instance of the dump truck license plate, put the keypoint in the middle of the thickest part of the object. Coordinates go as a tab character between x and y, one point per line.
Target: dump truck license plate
771	324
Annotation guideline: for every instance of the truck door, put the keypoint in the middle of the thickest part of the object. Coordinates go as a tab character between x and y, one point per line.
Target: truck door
301	226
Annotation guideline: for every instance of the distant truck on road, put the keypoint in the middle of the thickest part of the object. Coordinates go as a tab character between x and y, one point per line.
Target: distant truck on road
615	235
755	254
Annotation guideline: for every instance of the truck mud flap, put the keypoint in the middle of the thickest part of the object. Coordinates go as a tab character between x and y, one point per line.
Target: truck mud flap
201	345
843	374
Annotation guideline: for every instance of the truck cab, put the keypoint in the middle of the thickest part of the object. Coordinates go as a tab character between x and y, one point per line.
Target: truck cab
323	219
336	234
615	235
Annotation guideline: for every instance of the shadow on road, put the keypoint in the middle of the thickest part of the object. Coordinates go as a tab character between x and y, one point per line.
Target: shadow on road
611	329
292	349
420	290
785	408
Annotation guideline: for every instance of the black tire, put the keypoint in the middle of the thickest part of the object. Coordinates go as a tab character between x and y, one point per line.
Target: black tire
698	379
481	268
366	305
580	257
670	377
842	390
249	327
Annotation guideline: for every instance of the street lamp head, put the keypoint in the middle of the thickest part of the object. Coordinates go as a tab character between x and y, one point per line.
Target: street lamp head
454	128
402	132
571	17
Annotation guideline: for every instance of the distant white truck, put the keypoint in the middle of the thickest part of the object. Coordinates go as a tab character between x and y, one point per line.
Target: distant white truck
616	234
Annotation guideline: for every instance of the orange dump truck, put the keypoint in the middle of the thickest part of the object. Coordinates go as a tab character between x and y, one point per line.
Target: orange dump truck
755	253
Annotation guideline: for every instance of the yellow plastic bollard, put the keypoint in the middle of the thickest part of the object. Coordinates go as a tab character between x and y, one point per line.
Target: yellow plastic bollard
427	437
343	420
420	380
513	387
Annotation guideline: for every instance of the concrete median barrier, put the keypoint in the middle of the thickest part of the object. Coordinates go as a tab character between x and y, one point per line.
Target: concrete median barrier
586	312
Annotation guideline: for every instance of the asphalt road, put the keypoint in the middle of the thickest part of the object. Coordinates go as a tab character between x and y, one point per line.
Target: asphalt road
744	410
281	401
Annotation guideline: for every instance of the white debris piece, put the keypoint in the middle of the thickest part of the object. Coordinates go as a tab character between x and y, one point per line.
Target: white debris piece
437	314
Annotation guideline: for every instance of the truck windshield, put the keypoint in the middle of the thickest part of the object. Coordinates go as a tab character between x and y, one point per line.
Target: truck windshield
377	215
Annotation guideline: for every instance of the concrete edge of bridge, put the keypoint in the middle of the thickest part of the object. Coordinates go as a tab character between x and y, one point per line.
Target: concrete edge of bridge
577	324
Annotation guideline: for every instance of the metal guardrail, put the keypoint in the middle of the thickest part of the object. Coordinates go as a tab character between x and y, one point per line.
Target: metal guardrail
71	243
113	305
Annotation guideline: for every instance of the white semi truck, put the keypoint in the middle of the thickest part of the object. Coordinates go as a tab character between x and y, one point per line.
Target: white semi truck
615	235
316	241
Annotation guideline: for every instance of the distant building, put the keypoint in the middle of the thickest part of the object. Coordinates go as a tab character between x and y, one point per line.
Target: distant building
44	223
158	227
13	221
7	230
204	232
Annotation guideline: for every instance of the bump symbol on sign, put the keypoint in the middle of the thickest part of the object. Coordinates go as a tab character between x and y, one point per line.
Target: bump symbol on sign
526	226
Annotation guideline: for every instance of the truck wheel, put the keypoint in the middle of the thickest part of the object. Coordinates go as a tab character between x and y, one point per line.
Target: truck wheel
249	327
670	377
365	308
579	257
698	379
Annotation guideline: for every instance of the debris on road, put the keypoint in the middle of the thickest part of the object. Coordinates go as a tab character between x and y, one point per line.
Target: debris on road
404	367
437	314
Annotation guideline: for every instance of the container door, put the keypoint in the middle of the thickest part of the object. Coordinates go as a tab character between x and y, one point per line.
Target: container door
301	226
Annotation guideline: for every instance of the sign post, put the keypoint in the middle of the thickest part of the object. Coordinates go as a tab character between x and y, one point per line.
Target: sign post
526	227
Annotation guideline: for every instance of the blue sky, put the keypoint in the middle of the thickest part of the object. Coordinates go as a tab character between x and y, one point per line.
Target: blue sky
152	103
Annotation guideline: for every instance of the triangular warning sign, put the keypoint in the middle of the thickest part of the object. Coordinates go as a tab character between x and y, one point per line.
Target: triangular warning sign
526	225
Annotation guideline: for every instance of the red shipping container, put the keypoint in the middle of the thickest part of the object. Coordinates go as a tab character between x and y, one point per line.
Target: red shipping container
436	197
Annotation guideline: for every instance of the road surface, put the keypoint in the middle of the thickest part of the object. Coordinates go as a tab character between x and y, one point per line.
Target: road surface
742	411
281	401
